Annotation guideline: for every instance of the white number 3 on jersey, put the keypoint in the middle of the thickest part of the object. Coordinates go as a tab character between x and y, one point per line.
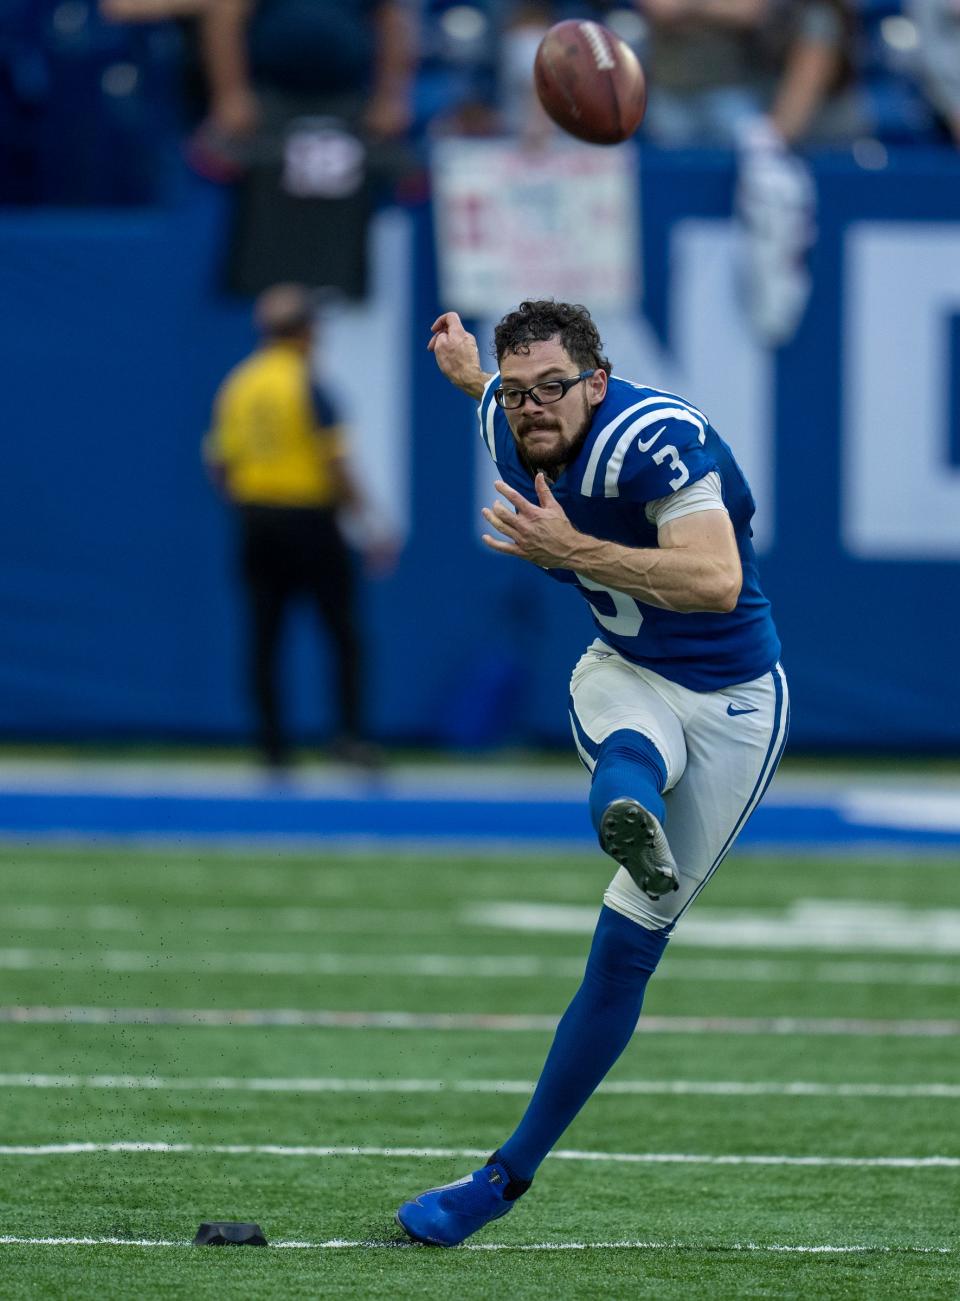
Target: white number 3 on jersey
682	475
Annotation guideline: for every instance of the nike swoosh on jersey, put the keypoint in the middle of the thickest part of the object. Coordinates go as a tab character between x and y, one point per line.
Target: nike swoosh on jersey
733	711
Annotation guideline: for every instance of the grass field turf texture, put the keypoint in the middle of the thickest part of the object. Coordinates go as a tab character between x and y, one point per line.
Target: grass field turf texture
163	930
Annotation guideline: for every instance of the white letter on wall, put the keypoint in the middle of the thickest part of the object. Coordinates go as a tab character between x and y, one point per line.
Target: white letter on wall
901	496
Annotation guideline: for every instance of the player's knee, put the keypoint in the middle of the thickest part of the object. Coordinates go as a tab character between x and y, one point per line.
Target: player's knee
624	896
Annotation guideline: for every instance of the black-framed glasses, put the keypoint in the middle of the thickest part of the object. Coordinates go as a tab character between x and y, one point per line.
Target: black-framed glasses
547	391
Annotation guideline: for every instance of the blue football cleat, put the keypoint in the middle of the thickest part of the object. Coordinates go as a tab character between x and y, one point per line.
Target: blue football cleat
445	1216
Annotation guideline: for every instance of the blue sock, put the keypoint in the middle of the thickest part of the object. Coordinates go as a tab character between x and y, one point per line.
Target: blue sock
592	1034
627	764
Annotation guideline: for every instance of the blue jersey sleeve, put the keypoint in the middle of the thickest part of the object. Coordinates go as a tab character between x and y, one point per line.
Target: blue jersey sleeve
658	459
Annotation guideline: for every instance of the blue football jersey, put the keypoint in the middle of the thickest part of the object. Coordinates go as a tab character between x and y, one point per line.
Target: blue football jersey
644	444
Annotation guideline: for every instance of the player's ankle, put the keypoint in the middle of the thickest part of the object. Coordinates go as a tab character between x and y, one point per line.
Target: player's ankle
516	1187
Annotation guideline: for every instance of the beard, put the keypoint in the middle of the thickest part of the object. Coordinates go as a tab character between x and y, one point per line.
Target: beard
552	460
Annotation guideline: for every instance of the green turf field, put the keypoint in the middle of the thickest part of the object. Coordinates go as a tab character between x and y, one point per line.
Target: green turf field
762	1142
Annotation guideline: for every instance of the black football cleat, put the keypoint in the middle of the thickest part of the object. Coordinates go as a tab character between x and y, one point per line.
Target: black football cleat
632	836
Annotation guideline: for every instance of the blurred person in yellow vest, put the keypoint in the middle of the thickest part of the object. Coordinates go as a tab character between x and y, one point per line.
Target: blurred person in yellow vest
278	452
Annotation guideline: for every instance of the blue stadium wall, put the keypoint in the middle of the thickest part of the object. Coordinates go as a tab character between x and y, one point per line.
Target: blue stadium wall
120	612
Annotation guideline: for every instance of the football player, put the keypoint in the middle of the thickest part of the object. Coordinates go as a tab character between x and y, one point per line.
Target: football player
679	708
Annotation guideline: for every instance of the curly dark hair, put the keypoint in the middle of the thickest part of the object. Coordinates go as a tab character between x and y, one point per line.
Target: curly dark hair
544	318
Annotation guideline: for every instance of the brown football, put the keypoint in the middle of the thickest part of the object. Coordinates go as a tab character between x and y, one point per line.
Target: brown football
590	82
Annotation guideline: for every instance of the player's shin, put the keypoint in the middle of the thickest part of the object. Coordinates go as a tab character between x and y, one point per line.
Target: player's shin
628	765
628	811
593	1032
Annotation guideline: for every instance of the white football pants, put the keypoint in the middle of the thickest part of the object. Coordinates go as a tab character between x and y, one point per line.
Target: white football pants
720	750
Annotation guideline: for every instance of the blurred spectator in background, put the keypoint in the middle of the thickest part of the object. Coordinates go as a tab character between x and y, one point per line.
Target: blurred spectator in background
938	28
308	103
717	65
353	57
807	56
277	451
701	57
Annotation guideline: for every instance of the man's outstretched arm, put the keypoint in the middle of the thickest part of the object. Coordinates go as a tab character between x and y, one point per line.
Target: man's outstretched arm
695	567
458	356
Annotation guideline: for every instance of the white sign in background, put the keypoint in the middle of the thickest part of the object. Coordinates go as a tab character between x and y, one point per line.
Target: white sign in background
512	223
901	495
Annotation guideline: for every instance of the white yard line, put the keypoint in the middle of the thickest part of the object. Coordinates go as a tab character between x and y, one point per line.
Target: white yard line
831	925
452	1153
621	1088
469	1021
262	919
483	966
340	1244
901	971
810	925
429	965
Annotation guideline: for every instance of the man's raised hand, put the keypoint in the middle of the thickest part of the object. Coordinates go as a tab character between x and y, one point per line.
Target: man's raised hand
457	355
